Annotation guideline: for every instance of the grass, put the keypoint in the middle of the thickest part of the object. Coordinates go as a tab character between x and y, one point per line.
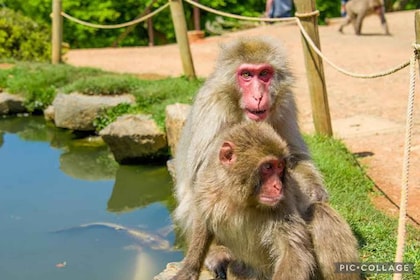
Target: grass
347	183
349	189
40	82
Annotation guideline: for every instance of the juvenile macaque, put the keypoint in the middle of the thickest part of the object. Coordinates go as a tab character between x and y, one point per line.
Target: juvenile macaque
251	82
357	10
245	199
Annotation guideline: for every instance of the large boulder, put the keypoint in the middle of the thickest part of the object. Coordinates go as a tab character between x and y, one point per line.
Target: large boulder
78	111
135	139
11	104
176	114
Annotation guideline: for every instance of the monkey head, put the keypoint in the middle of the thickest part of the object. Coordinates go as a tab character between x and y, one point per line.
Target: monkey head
253	76
254	158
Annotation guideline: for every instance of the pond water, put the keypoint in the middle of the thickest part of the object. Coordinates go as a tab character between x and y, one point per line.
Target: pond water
69	211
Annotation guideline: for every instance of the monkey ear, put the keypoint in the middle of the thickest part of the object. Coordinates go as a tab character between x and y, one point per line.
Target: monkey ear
226	155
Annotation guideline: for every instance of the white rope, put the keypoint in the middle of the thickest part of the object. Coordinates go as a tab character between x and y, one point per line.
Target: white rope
341	70
399	255
113	26
210	10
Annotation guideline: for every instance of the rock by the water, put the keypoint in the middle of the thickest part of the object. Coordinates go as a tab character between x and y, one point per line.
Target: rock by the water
134	139
49	113
11	104
78	111
172	269
176	114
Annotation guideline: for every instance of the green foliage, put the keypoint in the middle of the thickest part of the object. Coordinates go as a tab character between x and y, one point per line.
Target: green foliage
328	9
112	12
40	82
106	84
22	38
350	192
113	113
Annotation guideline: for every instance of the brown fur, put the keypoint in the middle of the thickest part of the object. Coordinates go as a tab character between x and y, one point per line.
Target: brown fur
217	105
295	239
357	10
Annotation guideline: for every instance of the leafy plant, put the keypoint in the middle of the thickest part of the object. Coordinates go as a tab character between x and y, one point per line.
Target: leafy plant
22	38
108	84
111	114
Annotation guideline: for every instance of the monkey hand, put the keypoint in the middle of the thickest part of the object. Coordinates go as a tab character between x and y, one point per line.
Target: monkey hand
217	260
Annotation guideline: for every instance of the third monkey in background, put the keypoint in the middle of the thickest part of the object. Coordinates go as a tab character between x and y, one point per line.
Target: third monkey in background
252	83
357	10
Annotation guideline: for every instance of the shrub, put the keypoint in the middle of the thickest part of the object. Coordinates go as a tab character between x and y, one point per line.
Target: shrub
22	38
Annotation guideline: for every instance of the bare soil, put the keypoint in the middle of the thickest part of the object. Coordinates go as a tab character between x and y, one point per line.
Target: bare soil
369	115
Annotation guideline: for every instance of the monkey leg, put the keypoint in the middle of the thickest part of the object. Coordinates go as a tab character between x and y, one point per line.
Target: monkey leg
199	244
346	22
218	259
333	241
297	260
358	23
383	21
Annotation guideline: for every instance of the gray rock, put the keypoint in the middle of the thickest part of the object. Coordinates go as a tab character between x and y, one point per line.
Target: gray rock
176	114
172	268
49	113
11	104
134	139
78	111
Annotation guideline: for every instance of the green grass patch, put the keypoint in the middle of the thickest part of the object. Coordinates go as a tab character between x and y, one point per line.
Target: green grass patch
40	82
349	189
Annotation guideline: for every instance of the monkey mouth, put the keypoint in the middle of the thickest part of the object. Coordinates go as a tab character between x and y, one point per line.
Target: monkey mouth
271	201
256	115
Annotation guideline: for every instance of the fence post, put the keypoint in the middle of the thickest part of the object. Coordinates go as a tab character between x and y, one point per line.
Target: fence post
417	29
57	32
180	26
314	69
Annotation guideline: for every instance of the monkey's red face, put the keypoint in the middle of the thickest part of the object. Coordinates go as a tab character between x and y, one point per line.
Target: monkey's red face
254	81
271	190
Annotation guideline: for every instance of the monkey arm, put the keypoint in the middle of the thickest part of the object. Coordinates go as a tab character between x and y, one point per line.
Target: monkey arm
296	245
197	250
309	180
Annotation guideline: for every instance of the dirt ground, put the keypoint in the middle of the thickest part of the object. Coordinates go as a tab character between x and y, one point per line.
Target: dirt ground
369	115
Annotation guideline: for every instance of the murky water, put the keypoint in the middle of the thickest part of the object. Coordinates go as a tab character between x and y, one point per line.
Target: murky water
69	211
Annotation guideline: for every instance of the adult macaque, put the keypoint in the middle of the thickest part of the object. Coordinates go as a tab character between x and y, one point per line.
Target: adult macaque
246	199
251	82
357	10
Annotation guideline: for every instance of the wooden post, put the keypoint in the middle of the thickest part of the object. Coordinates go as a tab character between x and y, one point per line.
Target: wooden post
180	26
314	69
417	29
196	16
57	32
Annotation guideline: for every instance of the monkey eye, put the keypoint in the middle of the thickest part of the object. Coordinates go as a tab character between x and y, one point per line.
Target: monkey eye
265	75
266	167
246	74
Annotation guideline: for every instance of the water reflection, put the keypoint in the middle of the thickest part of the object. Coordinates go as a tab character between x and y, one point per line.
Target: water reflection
135	186
69	211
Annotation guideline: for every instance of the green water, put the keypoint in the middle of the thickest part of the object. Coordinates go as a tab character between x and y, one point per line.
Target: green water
69	211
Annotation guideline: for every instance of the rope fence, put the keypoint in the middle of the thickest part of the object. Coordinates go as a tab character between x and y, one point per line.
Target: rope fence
115	26
308	39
